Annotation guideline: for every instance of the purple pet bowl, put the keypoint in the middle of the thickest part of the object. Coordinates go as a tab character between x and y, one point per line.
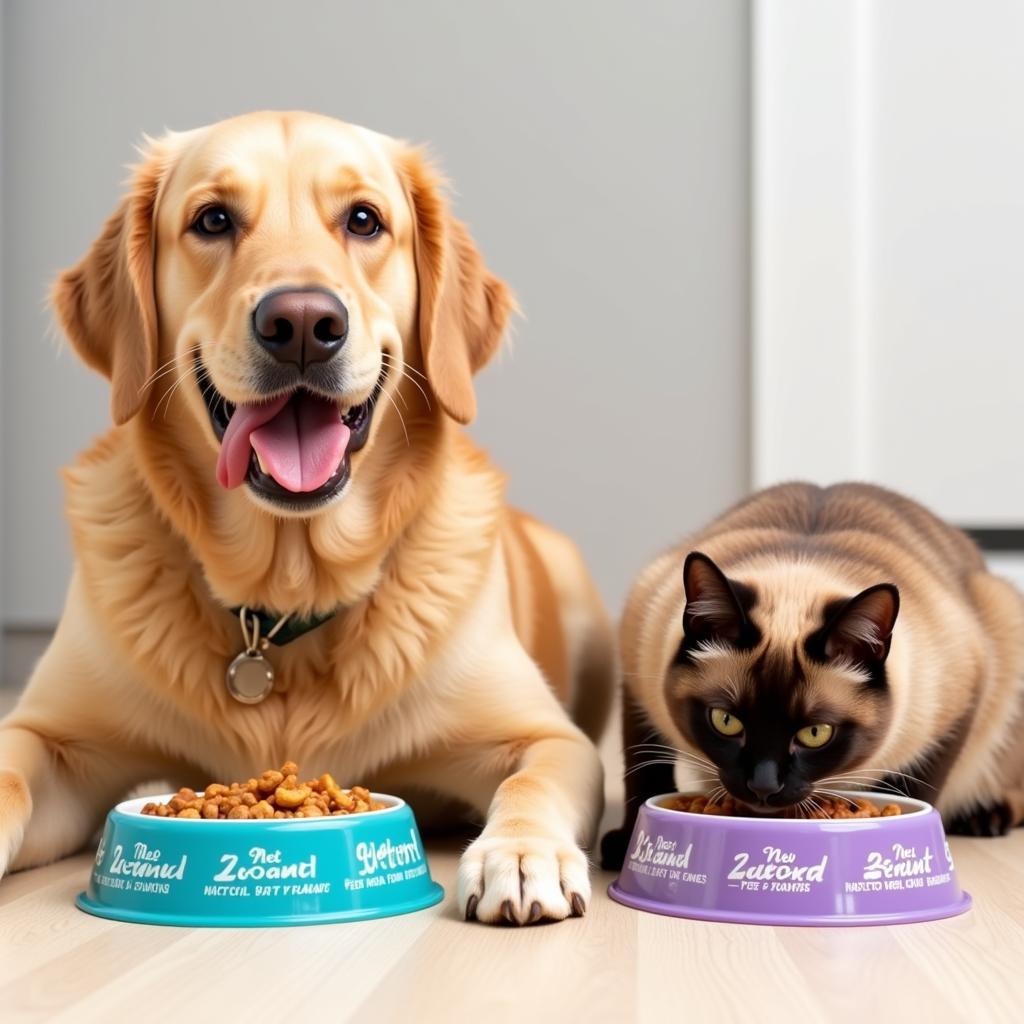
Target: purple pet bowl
784	871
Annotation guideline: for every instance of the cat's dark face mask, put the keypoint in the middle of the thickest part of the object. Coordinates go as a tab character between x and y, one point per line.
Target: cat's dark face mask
780	721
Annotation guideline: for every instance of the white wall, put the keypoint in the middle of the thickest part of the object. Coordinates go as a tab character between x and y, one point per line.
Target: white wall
889	197
2	164
600	155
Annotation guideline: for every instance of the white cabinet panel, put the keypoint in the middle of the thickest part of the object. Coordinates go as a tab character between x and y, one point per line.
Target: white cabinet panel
889	198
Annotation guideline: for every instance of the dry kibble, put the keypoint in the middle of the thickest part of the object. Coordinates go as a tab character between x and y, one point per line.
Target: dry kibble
276	793
826	807
341	799
290	797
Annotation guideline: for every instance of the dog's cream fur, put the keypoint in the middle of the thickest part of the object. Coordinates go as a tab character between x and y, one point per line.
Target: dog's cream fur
466	629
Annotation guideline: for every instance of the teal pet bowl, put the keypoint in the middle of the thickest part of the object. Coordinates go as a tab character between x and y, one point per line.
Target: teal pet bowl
266	873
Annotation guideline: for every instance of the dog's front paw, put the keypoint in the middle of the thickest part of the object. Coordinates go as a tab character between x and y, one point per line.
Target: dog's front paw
994	820
15	807
523	880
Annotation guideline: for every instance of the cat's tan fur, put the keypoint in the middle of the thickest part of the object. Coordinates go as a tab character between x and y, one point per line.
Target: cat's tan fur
957	656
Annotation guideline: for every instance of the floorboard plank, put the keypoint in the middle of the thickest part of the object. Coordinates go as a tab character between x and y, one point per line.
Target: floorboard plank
614	965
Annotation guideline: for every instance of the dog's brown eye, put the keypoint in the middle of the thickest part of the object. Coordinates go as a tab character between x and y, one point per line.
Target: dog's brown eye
214	220
363	221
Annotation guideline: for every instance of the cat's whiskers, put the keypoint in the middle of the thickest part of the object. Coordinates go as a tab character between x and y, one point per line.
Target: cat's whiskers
670	751
837	794
804	808
814	803
868	771
857	786
654	746
860	777
717	794
697	780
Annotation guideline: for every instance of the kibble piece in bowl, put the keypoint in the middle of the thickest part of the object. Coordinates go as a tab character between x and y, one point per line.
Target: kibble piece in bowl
277	793
823	807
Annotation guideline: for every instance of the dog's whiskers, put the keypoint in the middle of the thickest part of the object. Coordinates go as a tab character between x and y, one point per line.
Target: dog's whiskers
166	367
407	369
165	401
404	365
401	418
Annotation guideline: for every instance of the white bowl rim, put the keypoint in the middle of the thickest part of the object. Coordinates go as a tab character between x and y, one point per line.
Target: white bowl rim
920	807
133	809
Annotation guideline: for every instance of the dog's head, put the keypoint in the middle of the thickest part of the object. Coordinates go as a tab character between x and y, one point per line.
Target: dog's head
278	275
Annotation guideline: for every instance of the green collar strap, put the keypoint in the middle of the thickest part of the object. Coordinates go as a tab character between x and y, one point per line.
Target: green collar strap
291	630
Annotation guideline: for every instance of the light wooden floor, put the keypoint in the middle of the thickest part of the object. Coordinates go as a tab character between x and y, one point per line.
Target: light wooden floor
615	964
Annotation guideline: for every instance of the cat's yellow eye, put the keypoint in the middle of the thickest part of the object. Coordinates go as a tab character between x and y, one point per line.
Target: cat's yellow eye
814	735
725	722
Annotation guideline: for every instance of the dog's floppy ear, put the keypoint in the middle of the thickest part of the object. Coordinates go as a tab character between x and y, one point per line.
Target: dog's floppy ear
463	308
106	303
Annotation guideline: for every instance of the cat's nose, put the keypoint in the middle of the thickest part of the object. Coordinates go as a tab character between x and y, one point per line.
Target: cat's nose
765	780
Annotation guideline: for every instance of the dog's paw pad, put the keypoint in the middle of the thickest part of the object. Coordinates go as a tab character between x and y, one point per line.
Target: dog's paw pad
520	881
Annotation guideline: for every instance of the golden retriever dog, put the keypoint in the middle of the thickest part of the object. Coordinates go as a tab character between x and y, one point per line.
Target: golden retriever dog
291	319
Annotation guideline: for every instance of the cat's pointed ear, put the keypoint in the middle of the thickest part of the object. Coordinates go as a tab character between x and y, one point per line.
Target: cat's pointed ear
714	606
860	631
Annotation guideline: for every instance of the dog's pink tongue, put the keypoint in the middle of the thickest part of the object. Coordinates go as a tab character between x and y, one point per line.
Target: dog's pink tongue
300	441
303	444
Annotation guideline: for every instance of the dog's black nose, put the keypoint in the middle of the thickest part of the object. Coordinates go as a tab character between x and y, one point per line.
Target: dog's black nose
301	325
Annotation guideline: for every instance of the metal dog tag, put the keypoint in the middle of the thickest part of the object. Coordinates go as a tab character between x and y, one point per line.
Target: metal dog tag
250	677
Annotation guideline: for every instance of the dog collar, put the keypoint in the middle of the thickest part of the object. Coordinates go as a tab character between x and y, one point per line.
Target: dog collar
249	676
291	630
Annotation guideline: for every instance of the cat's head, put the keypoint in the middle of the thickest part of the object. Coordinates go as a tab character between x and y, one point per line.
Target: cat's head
780	681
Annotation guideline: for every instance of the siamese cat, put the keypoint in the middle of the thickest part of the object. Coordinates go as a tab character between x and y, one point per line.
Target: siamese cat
826	638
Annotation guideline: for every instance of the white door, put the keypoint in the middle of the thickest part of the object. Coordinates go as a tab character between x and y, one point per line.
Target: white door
889	250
